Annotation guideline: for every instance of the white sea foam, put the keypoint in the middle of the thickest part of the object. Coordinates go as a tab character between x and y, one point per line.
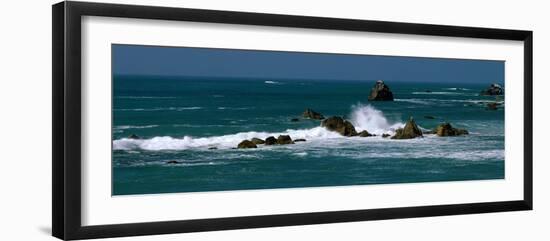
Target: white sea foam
302	154
434	101
366	117
124	127
225	141
476	155
363	117
272	82
438	93
415	101
234	108
455	88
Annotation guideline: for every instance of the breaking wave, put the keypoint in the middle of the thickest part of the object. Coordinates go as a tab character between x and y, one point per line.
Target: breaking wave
363	117
366	117
124	127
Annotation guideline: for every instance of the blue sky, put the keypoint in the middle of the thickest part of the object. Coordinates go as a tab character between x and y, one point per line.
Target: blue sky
215	63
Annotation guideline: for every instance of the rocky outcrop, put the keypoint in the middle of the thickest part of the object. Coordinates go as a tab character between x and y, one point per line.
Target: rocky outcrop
410	131
134	136
385	135
270	141
494	89
338	124
380	92
257	141
284	140
364	134
246	144
446	129
311	114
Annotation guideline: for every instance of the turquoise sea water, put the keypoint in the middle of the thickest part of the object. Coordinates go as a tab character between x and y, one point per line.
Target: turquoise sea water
179	119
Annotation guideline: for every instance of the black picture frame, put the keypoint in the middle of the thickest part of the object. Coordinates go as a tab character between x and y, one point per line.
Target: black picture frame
66	128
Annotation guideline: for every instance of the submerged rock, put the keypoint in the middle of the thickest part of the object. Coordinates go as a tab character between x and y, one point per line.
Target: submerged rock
429	117
338	124
270	140
380	91
446	129
246	144
494	89
410	131
257	141
294	120
299	140
173	162
492	106
134	136
212	148
284	139
311	114
364	134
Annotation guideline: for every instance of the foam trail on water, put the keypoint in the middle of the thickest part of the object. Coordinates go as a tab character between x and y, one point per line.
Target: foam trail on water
366	117
225	141
363	117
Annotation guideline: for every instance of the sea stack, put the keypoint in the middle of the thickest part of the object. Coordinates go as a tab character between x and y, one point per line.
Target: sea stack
380	92
494	89
311	114
446	129
410	131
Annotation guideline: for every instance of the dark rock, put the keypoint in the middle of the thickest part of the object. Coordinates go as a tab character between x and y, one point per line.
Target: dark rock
134	136
410	131
311	114
173	162
257	141
429	132
428	91
446	129
294	120
492	106
298	140
385	135
270	140
429	117
246	144
338	124
284	139
380	91
212	148
364	134
494	89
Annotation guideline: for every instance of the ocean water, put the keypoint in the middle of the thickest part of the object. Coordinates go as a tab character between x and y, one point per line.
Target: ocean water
181	119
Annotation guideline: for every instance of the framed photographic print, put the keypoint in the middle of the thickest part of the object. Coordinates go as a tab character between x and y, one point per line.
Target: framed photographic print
170	120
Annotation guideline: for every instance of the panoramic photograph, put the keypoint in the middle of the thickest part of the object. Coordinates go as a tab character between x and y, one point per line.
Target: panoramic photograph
188	119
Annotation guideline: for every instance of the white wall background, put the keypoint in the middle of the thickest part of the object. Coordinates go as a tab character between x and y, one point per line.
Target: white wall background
25	120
